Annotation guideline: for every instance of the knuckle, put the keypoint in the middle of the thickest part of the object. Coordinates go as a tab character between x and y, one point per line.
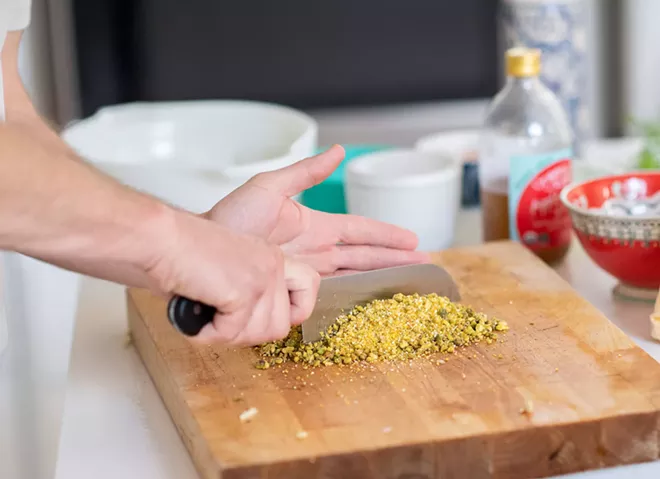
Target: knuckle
273	265
258	287
334	257
233	296
270	262
261	178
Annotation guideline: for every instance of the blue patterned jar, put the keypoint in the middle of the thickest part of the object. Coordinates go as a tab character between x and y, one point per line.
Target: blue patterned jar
558	28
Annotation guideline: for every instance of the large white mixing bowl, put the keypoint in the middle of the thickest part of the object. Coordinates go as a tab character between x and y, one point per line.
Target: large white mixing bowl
192	153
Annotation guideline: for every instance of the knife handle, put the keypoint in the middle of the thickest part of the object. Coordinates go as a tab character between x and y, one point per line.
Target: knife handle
188	316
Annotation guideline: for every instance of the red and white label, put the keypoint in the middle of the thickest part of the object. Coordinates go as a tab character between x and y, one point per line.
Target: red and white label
542	221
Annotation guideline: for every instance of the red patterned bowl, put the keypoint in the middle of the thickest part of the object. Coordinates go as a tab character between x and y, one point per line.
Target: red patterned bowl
617	220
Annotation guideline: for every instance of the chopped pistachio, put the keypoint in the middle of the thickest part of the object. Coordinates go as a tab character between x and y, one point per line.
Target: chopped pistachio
396	329
263	364
501	326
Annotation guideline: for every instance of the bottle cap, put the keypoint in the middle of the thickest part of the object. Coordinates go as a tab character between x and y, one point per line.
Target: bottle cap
523	62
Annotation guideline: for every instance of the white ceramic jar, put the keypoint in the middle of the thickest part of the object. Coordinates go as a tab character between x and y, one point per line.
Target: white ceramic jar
462	145
412	189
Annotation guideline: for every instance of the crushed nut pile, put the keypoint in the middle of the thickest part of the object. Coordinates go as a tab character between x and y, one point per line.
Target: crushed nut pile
400	328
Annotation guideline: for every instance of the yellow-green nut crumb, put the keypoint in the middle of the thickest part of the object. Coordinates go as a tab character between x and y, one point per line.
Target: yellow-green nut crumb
264	364
400	328
501	326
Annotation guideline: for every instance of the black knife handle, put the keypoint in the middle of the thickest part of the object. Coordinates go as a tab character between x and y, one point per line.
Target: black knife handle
188	316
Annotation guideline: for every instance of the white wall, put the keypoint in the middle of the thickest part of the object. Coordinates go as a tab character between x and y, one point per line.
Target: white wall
596	68
35	60
641	58
47	61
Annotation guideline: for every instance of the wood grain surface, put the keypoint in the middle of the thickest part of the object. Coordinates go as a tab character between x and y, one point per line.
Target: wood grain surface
564	391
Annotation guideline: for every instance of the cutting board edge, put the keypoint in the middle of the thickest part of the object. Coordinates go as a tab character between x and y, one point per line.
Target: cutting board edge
494	437
154	362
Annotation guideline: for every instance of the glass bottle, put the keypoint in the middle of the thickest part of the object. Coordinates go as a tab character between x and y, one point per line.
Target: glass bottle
525	161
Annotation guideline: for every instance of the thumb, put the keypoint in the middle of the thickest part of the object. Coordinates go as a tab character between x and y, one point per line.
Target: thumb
303	174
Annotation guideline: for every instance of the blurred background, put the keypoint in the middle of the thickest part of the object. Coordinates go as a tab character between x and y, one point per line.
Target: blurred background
368	71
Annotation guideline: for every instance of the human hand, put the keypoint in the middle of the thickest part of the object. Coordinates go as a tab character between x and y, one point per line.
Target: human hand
330	243
258	293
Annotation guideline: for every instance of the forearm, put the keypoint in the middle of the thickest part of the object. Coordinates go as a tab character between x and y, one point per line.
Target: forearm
59	209
25	116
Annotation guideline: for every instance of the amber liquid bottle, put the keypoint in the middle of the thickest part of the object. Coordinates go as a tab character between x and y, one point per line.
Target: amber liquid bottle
525	161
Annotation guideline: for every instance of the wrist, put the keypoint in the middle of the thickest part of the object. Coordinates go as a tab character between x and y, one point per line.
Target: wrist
155	235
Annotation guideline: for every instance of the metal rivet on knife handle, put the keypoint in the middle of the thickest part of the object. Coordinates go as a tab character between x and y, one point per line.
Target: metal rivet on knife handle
188	316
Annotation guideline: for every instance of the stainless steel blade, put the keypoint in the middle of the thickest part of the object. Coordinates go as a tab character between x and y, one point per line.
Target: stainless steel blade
342	293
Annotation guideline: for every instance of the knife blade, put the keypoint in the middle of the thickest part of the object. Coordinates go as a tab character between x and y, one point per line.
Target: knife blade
341	294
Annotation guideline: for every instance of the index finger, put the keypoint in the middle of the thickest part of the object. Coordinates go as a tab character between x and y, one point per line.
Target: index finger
359	230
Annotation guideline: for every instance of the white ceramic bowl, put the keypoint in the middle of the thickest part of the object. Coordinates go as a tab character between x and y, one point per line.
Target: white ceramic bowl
415	190
192	153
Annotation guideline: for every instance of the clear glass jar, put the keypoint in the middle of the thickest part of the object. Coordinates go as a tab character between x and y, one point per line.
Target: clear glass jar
525	160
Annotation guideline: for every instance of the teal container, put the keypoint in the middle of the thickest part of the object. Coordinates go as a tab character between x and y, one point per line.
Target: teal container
329	195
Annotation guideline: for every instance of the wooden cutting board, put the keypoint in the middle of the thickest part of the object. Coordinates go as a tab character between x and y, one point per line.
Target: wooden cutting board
565	391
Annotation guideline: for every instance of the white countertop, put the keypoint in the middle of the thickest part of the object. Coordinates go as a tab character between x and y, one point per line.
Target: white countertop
115	425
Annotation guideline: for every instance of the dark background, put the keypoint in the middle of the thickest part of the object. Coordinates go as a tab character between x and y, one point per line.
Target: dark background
303	53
